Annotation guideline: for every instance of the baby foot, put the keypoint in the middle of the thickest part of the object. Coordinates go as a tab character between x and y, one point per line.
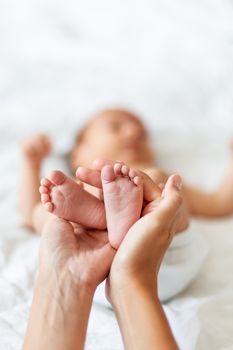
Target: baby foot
123	197
151	191
36	148
66	199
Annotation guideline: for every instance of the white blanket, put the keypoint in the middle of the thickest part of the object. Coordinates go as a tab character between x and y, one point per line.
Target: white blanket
172	62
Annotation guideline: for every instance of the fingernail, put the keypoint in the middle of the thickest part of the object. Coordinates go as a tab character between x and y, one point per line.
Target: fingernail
177	182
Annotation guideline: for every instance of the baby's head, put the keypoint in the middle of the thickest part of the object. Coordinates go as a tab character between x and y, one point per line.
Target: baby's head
112	134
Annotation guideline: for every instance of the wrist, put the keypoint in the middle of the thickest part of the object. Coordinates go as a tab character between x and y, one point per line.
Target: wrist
141	318
126	285
62	285
59	314
31	162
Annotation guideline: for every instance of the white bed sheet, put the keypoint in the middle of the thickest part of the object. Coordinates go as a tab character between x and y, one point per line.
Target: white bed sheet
201	317
58	63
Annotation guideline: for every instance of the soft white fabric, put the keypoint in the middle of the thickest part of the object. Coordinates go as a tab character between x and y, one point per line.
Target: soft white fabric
172	61
181	264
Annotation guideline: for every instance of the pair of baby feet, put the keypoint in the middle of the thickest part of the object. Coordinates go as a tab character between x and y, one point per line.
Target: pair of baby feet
123	200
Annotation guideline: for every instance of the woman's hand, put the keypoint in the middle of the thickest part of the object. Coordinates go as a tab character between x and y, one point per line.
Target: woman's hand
141	252
85	256
73	261
132	283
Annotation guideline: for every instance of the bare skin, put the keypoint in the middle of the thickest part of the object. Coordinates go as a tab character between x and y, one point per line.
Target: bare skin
123	199
134	269
115	134
72	264
63	197
121	135
122	189
34	150
151	191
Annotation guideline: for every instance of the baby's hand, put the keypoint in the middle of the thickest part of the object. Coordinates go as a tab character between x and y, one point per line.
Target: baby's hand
36	148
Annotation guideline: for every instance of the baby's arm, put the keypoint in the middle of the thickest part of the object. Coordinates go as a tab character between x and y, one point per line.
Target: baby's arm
219	202
34	150
216	203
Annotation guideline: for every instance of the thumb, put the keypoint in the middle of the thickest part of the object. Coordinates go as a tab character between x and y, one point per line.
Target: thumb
171	198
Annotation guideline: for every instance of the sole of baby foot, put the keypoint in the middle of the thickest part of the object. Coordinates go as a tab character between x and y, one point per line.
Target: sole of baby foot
123	198
63	197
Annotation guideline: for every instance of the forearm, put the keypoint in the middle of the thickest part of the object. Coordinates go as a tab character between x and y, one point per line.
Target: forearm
29	190
59	317
209	204
142	320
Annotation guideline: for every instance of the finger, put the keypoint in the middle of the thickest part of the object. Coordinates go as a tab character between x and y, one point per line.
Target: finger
171	196
89	176
173	185
151	191
170	199
100	194
80	183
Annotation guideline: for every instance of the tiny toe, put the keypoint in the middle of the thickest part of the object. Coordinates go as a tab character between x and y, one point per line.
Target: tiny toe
57	177
117	168
49	206
125	170
45	198
43	190
137	181
107	174
133	173
99	163
45	182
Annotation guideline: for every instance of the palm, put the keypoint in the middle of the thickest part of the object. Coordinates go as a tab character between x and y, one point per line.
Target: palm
87	253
